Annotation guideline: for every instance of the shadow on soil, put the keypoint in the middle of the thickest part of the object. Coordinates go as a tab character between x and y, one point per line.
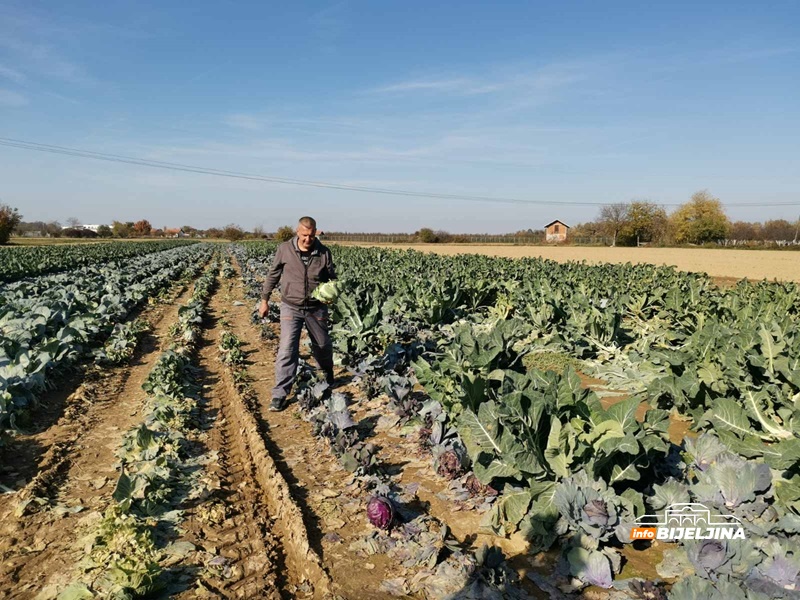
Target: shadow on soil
299	492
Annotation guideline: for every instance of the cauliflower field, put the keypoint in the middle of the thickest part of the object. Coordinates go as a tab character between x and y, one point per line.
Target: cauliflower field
498	428
568	459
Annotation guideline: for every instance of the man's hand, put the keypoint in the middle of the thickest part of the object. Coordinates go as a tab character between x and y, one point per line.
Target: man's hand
263	309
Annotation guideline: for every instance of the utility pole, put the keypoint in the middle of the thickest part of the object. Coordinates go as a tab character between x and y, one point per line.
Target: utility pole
796	230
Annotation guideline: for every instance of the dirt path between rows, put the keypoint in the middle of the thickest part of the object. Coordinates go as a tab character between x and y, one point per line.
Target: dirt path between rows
247	522
76	477
315	478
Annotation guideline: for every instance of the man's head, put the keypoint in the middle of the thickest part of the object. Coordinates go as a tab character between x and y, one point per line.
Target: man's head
306	233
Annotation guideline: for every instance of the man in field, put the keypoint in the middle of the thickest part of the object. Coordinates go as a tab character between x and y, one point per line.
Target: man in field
300	264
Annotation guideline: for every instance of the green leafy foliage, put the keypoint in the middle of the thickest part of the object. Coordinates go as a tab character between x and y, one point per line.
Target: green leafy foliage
727	359
48	323
121	343
32	261
123	559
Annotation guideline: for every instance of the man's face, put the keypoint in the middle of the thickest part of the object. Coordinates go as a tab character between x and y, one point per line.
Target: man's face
305	237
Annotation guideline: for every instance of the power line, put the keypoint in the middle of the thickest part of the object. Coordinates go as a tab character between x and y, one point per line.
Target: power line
157	164
75	152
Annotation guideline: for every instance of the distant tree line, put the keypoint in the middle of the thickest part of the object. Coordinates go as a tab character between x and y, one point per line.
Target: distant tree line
702	220
11	222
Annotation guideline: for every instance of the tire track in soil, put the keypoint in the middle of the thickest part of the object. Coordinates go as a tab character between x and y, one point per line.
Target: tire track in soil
38	550
263	533
315	477
233	523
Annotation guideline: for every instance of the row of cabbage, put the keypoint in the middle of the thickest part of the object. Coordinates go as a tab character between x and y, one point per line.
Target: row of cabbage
569	469
32	261
49	323
160	471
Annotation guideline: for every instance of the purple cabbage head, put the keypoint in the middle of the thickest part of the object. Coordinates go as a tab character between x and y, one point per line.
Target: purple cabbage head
380	512
596	512
709	557
449	465
476	488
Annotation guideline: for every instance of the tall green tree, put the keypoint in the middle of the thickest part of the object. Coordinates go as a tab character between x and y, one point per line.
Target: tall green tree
121	230
700	220
233	232
9	219
284	234
426	235
645	222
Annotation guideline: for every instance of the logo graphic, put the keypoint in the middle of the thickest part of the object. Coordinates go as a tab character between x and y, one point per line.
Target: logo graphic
688	521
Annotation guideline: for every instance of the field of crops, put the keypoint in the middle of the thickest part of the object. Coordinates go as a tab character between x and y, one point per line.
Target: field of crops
719	263
30	261
498	429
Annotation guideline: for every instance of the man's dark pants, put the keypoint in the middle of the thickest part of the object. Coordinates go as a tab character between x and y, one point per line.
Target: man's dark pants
292	320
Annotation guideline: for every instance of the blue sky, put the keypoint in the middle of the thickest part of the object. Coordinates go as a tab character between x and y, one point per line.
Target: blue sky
557	102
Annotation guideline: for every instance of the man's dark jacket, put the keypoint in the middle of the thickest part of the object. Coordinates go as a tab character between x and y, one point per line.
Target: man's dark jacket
297	279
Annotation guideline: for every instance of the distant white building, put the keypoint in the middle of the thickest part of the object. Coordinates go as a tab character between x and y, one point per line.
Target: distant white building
89	227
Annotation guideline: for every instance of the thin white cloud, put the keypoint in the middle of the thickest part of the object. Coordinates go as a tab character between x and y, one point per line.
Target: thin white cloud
517	79
62	98
329	25
479	147
45	25
740	53
331	14
283	124
38	45
11	74
441	85
747	54
12	99
245	121
45	60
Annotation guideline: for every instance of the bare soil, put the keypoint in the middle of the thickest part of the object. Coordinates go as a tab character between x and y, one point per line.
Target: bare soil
724	263
315	479
253	474
234	522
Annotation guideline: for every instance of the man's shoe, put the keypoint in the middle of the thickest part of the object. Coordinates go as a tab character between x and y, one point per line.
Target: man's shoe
277	404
